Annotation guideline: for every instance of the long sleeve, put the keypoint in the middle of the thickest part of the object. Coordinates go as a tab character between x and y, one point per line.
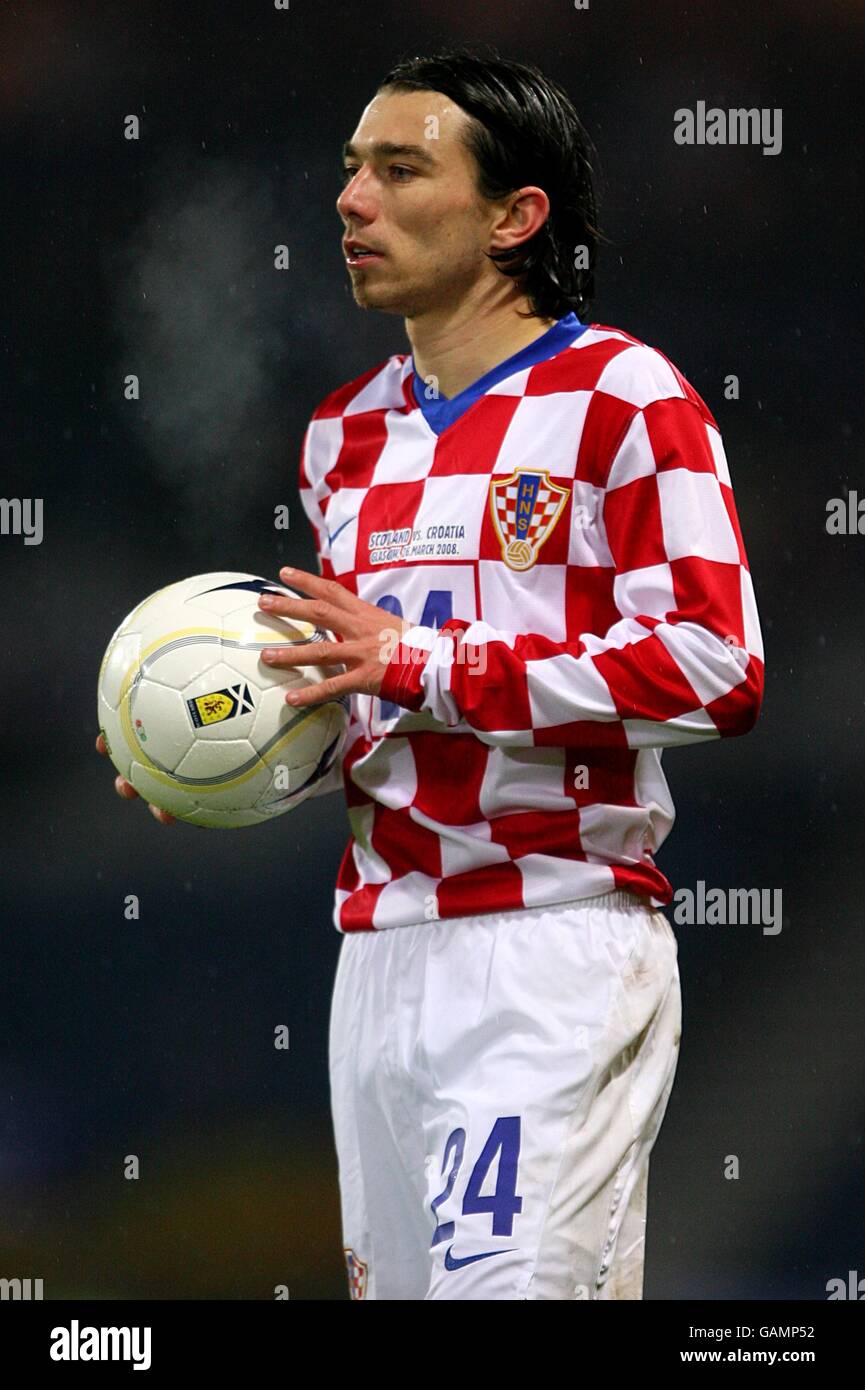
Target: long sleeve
332	780
682	663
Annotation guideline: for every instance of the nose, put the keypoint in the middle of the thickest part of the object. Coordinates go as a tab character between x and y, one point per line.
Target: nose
355	200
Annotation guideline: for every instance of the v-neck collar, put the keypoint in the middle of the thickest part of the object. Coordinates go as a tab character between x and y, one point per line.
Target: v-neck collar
442	412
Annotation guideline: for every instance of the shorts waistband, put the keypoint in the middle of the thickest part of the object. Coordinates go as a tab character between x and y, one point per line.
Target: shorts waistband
619	898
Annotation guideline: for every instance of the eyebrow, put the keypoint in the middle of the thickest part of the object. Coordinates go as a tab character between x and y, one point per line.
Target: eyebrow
384	148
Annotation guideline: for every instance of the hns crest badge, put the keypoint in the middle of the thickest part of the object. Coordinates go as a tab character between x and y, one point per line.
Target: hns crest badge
219	705
356	1274
525	507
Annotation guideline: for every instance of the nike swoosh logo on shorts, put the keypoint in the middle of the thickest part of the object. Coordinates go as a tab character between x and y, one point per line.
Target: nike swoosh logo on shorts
453	1262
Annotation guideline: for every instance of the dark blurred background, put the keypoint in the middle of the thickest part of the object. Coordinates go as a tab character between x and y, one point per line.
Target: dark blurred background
155	257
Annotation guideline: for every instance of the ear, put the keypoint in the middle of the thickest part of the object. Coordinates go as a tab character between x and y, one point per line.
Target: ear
523	214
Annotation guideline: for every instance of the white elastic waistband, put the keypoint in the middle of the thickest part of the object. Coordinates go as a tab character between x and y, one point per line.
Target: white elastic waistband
619	898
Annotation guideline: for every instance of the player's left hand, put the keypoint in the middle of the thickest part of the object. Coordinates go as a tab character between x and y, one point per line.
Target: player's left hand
366	636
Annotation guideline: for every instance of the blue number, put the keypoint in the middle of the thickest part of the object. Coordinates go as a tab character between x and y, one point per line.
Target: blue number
391	604
504	1203
504	1139
457	1141
437	610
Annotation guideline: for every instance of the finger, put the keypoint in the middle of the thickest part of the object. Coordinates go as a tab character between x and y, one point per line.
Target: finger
330	689
124	788
101	745
164	817
314	584
327	589
320	612
309	654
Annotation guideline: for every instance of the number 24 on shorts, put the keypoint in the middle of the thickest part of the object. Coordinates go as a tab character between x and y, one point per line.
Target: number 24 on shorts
504	1203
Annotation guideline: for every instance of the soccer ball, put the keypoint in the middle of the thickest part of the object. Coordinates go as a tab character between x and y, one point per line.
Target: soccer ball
194	719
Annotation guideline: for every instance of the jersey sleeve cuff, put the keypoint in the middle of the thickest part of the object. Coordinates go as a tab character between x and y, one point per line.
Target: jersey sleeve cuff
419	652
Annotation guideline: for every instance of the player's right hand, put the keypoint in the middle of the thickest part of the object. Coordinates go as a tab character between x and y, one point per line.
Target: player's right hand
128	792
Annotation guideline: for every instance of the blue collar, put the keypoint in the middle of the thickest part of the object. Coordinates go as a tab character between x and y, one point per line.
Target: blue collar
444	411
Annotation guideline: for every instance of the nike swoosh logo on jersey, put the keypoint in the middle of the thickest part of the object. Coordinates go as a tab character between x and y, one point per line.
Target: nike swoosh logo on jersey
333	537
454	1262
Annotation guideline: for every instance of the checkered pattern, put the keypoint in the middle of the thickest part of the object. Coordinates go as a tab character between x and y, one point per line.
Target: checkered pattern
544	512
357	1274
514	756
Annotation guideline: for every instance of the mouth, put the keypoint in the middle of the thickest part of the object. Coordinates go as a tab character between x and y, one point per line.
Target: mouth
357	254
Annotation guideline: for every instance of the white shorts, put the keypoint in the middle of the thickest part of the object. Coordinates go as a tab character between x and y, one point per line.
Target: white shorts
497	1084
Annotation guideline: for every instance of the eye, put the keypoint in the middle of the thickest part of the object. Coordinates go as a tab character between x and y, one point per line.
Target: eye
348	172
401	169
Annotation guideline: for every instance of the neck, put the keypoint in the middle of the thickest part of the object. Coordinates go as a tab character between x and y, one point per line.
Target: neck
458	345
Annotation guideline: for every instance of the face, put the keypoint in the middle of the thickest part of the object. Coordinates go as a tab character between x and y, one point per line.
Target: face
410	196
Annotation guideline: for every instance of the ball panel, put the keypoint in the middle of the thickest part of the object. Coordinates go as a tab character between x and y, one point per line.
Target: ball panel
177	661
277	799
169	601
244	660
118	667
155	724
160	789
273	713
208	768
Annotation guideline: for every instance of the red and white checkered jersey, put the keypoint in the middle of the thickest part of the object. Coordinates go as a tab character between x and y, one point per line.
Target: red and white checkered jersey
569	553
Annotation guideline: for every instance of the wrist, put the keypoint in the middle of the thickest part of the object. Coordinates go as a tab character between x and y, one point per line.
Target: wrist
402	681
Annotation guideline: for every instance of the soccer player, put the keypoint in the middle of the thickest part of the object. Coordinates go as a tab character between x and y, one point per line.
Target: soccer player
532	566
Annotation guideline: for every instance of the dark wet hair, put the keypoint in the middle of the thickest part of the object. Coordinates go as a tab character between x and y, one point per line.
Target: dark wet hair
524	130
